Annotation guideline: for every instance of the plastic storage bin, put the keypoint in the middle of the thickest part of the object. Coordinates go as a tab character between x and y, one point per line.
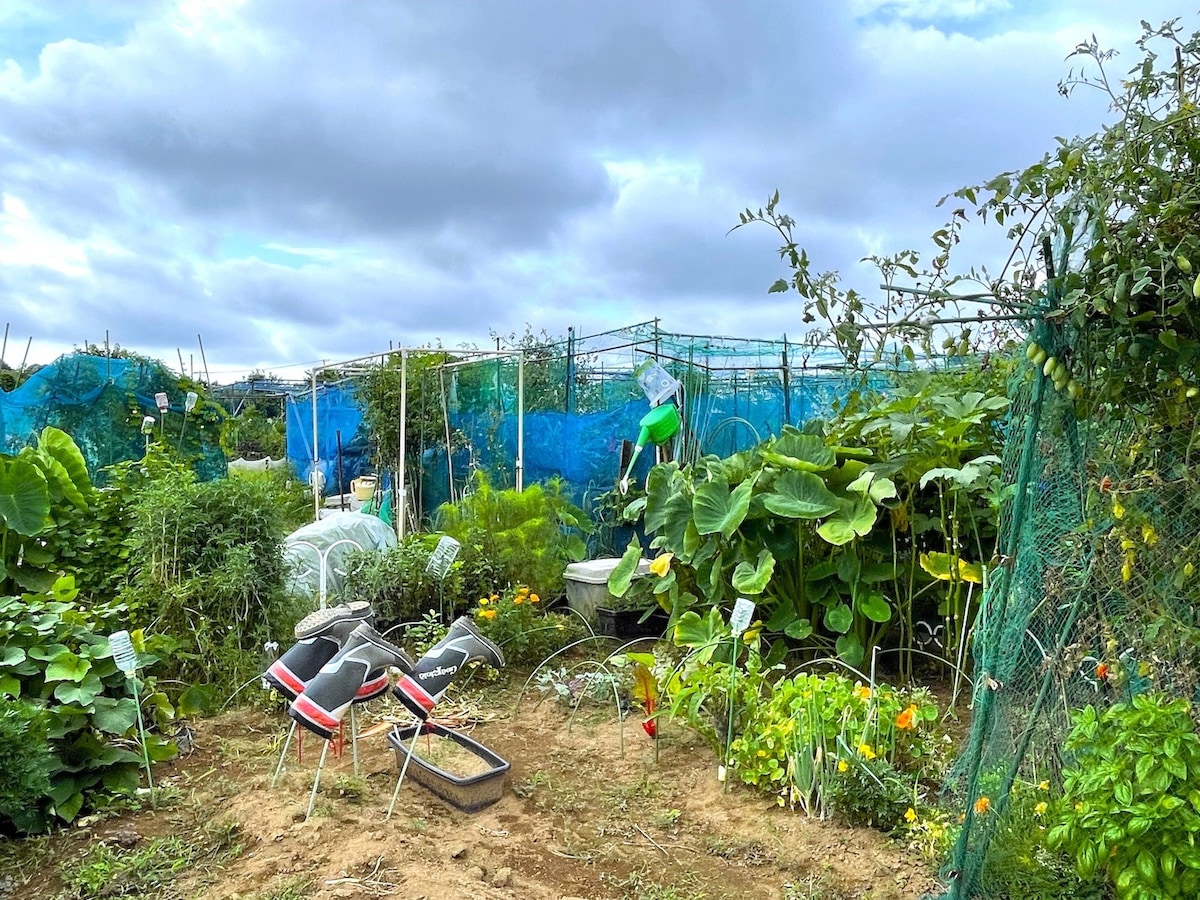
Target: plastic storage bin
587	584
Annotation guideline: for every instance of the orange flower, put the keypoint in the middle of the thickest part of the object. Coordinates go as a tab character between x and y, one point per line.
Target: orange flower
982	805
534	598
862	692
487	614
518	600
523	592
1102	671
906	721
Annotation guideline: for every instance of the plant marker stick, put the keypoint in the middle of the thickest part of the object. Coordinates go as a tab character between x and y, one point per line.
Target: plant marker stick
126	659
404	768
739	621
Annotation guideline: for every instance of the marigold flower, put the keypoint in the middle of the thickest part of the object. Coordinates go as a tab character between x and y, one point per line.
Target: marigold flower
982	805
866	751
906	721
523	592
534	598
518	600
910	815
1102	671
495	597
1043	785
843	766
483	601
862	692
487	613
662	564
1040	809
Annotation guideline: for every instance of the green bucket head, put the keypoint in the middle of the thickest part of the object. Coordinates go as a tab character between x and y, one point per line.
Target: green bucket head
659	425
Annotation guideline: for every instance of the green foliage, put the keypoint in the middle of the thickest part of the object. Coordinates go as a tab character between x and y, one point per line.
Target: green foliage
514	537
870	793
379	392
54	656
25	763
36	488
813	729
292	498
395	583
146	871
254	434
206	569
517	621
1131	798
826	532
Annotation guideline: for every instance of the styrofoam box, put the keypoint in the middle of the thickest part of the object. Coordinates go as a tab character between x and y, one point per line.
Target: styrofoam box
587	584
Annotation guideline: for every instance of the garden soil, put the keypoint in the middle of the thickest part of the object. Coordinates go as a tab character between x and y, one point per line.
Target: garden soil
578	818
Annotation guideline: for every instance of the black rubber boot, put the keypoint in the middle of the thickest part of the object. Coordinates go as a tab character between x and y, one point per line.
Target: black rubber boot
358	673
421	690
320	635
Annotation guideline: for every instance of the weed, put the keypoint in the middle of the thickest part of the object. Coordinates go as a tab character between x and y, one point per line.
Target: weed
351	787
297	887
525	789
639	886
419	825
814	886
668	819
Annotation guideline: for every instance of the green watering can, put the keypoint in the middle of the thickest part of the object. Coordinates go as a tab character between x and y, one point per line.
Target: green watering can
656	427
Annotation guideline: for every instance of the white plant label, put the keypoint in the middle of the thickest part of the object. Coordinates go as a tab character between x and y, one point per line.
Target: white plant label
743	612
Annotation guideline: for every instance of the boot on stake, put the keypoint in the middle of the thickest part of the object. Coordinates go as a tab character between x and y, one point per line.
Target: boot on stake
420	690
319	637
358	673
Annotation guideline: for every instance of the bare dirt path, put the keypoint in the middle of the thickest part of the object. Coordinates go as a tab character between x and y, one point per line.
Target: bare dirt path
577	819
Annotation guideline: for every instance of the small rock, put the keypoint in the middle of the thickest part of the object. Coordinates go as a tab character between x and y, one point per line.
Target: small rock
479	873
502	877
457	851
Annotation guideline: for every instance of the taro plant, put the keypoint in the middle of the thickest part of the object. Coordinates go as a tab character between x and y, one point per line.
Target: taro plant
37	486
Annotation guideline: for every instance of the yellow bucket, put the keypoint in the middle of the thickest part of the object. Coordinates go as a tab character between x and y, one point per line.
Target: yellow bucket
364	487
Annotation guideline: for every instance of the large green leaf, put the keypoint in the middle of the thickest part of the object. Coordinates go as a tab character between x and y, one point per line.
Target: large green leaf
801	495
622	574
83	693
659	489
799	629
850	649
802	452
855	518
67	667
839	618
873	605
114	716
716	509
24	497
11	656
753	579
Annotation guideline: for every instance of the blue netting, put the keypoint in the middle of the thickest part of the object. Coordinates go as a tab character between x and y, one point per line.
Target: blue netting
337	413
100	401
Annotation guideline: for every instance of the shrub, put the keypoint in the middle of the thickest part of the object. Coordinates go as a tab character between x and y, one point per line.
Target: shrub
514	537
25	762
517	621
395	583
207	569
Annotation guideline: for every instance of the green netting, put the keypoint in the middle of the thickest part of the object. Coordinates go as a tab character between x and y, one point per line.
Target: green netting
1092	600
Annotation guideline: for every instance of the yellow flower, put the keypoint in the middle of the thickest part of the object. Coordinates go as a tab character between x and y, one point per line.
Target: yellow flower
662	564
487	613
843	766
518	600
1118	509
495	597
862	692
1040	809
910	815
1149	535
534	598
982	805
523	592
1043	785
483	601
866	751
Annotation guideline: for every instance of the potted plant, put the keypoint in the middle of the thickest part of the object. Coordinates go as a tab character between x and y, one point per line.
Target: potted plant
631	608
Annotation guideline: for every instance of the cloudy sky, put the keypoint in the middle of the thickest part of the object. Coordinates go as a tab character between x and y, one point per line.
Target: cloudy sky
303	180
